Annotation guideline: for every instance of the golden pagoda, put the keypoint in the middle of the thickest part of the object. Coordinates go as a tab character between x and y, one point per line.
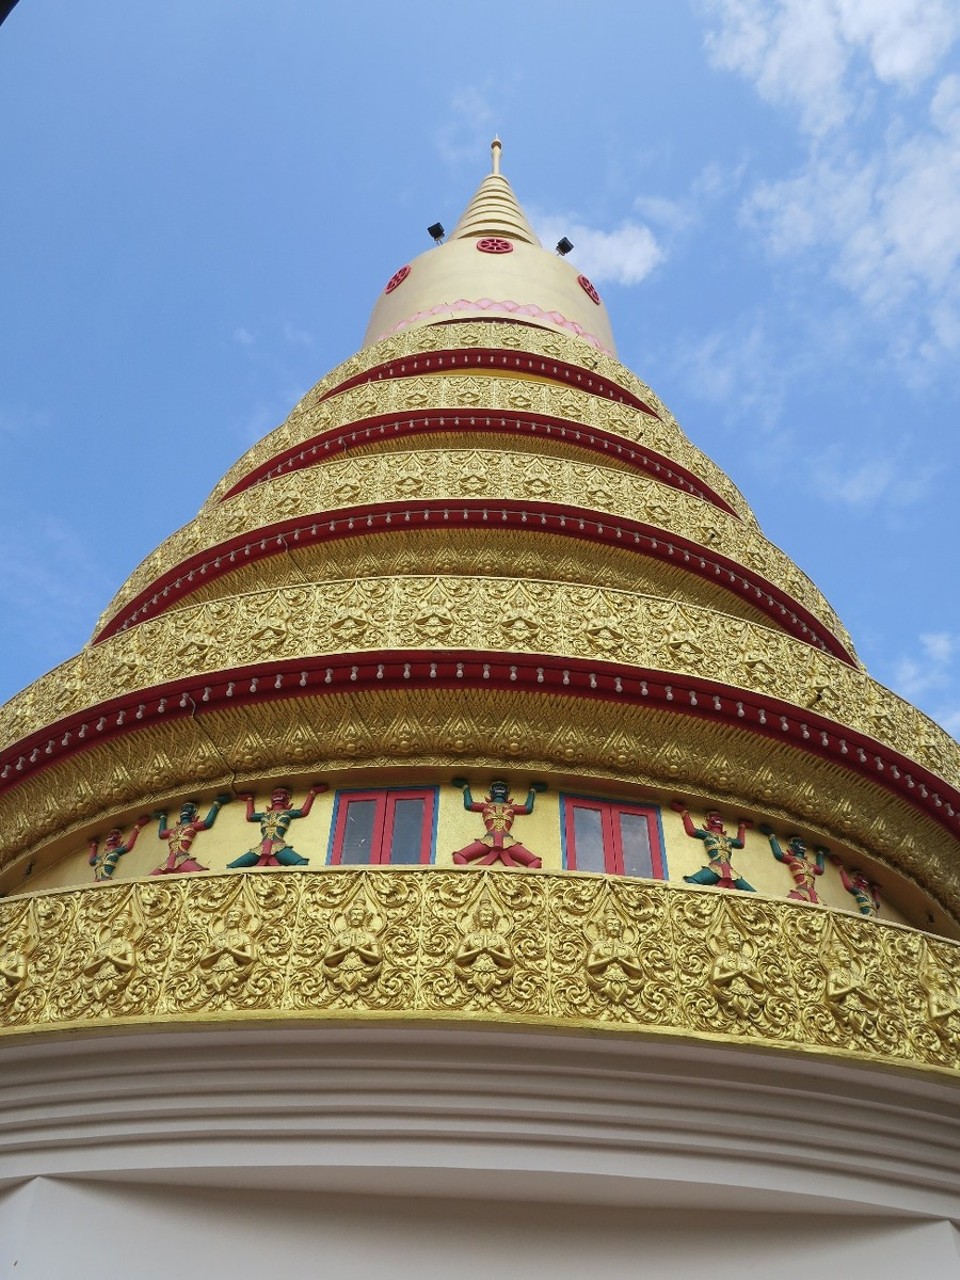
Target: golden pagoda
471	836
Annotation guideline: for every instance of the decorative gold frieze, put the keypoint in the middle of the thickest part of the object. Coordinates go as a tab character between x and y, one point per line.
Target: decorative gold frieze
448	475
462	552
529	947
486	390
485	613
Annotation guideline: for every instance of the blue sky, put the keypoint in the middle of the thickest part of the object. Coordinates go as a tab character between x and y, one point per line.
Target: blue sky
202	199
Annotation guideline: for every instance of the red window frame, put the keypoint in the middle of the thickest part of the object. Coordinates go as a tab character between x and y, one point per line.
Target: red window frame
383	823
610	811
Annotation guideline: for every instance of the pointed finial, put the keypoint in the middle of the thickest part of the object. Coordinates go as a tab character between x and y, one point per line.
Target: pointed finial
496	146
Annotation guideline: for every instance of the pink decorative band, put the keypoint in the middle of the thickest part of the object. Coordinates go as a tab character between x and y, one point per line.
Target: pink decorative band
517	310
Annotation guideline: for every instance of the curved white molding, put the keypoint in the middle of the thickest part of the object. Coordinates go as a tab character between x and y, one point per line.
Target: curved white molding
489	1114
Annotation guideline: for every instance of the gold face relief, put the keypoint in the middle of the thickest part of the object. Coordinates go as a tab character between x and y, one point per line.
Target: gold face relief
532	948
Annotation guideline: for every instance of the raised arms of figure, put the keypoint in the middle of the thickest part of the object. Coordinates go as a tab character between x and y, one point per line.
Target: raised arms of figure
195	823
679	807
498	792
105	861
536	788
317	789
224	798
865	892
471	805
714	826
280	799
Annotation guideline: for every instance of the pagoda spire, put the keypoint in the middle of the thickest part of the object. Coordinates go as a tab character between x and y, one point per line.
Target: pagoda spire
494	209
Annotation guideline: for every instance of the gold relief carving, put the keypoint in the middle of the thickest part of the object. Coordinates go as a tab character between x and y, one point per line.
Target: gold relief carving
380	729
115	954
484	962
232	950
527	946
112	963
408	486
547	617
486	948
356	942
857	1005
443	474
611	952
17	946
763	674
353	958
732	966
613	968
685	646
193	649
519	628
604	635
935	1025
313	414
735	981
13	965
268	640
31	952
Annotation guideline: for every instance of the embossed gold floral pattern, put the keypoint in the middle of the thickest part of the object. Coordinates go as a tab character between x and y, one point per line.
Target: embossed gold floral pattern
528	948
532	616
445	476
314	413
381	730
462	552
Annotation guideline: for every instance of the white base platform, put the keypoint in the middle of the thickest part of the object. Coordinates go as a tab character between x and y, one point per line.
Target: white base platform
444	1151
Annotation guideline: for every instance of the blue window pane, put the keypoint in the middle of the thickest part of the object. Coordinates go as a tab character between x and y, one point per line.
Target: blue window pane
358	831
407	837
635	842
588	839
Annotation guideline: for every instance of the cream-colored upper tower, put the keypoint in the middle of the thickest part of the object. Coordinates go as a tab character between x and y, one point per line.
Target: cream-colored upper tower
492	267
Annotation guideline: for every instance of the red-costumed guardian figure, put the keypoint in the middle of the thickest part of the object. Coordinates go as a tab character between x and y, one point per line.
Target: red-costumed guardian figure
181	835
104	861
719	870
499	810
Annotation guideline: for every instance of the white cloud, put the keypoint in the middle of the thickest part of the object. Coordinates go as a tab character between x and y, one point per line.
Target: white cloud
715	180
468	127
887	226
939	646
737	369
791	51
930	676
626	255
298	337
50	582
673	215
875	207
18	420
864	482
818	57
243	337
945	106
903	39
